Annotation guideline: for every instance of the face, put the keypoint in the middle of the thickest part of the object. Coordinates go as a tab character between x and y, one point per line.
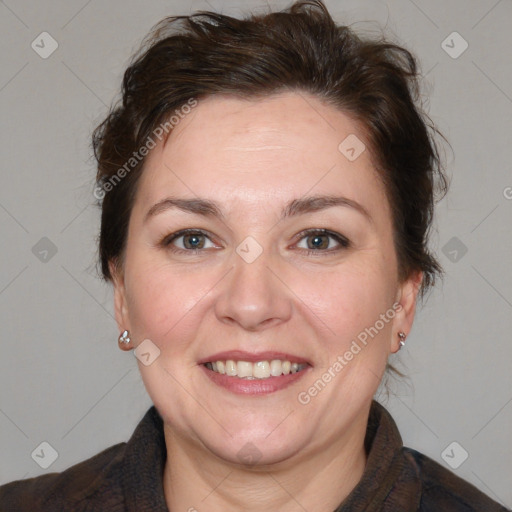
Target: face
291	259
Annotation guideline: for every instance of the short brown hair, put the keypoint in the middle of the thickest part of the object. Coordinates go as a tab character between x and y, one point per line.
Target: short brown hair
376	82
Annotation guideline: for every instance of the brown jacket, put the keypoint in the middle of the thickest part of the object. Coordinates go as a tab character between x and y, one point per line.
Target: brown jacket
128	477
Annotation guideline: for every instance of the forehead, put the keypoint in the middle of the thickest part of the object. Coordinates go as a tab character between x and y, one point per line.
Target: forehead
261	151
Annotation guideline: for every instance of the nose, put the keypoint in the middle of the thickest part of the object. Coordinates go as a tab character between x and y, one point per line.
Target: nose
253	295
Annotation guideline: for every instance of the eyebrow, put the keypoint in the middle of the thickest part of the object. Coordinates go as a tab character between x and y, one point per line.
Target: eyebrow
300	206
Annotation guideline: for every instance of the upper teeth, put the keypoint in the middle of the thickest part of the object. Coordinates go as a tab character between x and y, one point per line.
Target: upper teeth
258	370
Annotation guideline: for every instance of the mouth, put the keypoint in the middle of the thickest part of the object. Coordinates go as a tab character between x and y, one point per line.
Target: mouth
246	373
255	370
250	373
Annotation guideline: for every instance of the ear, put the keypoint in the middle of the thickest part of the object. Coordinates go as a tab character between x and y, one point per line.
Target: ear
120	302
406	297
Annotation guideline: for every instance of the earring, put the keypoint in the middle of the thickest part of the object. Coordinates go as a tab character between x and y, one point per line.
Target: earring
401	336
124	338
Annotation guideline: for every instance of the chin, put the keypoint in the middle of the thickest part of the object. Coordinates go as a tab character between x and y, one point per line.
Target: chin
256	445
256	454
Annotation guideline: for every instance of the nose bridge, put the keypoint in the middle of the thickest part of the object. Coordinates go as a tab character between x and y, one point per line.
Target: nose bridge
252	295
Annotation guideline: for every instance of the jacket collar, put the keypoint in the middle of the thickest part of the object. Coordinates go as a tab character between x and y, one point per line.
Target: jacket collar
146	454
145	458
384	468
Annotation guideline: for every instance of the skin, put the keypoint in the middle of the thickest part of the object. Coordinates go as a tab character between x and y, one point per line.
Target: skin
253	157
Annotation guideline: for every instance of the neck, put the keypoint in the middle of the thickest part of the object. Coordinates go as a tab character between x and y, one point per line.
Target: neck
196	480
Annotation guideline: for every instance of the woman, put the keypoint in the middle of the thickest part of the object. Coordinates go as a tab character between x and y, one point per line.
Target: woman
267	189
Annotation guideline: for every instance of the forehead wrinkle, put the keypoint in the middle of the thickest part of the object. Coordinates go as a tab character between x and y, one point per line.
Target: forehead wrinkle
258	148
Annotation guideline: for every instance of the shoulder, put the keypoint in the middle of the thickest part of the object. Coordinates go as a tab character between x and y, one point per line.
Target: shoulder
443	490
94	478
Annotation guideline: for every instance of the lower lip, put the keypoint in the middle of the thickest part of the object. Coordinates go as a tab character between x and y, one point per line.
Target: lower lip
256	386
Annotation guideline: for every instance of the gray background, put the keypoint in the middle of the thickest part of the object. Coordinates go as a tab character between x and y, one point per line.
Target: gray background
63	378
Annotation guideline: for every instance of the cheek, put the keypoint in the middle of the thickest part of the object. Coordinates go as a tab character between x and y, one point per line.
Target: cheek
349	297
164	302
347	304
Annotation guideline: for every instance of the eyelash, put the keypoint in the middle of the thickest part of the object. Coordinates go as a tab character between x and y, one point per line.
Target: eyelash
343	242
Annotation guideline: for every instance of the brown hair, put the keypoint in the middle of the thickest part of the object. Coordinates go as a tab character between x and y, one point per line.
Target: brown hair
301	48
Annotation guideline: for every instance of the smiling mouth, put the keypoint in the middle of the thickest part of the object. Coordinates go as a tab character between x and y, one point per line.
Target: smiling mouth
258	370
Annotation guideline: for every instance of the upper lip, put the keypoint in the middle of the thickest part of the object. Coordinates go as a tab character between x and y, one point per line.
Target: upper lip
252	357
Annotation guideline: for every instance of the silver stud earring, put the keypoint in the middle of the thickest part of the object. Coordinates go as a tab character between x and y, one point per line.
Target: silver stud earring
124	338
401	336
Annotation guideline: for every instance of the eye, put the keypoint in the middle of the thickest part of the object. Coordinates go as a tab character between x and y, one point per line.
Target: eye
192	240
318	241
